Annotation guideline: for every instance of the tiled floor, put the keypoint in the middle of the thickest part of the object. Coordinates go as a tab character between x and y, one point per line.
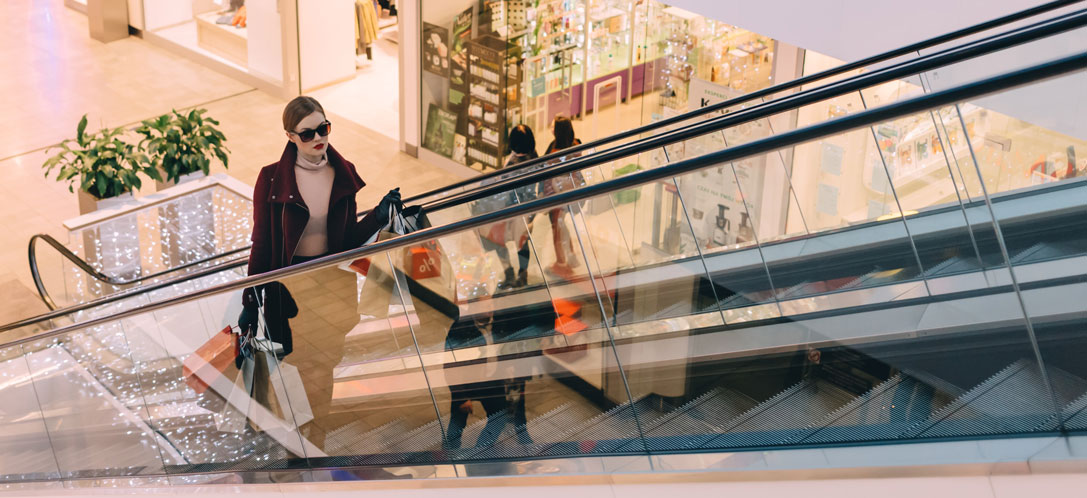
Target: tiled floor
56	73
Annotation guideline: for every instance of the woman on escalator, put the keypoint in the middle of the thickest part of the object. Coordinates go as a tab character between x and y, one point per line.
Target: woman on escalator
522	144
304	208
565	259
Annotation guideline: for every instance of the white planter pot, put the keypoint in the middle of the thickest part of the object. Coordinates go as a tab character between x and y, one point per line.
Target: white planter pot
89	203
160	186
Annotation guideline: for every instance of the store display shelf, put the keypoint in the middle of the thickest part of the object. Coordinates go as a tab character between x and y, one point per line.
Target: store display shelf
224	40
929	166
76	5
605	14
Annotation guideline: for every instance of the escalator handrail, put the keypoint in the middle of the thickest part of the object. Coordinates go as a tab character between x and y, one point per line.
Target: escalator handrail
990	44
765	92
843	124
1046	28
102	277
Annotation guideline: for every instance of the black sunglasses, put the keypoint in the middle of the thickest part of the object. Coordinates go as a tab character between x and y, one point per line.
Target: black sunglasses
322	129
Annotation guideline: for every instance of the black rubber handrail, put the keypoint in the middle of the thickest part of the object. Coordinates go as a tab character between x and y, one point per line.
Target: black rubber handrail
83	265
634	147
792	138
1045	29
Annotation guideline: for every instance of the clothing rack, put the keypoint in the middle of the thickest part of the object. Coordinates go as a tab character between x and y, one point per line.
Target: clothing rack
365	27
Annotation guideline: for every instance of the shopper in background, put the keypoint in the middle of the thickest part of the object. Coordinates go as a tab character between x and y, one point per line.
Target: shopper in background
304	208
522	144
563	131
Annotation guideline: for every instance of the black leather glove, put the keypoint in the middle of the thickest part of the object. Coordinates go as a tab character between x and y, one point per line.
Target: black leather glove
388	203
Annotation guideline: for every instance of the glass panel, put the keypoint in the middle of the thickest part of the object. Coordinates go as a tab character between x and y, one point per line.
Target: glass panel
370	402
919	158
842	195
23	418
1007	60
1031	159
85	384
218	411
525	370
853	373
187	229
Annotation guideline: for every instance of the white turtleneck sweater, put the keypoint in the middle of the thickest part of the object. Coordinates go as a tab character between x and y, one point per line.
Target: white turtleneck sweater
315	184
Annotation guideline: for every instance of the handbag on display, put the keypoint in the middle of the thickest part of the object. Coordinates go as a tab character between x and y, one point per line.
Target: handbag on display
211	359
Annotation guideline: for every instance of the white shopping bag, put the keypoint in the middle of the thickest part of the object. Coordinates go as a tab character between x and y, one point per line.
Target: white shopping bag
291	393
234	414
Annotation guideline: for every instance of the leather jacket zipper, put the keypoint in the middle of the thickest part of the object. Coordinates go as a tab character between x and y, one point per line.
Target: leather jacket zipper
284	221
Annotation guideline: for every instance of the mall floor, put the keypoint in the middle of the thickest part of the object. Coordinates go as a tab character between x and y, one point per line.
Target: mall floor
56	73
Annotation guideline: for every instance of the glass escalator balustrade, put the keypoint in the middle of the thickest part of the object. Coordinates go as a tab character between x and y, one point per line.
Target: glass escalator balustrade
194	226
616	326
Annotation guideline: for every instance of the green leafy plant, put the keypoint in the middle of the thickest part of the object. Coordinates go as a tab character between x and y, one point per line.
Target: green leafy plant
181	144
103	164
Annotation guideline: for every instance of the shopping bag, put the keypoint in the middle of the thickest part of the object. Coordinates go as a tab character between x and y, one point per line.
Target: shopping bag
496	232
376	292
362	265
235	411
423	261
414	219
210	360
290	394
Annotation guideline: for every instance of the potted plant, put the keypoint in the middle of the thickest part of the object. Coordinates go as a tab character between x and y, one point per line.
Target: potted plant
182	145
105	166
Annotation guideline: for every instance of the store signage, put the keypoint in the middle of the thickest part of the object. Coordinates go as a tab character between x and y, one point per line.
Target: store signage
436	49
441	126
539	86
458	53
702	93
713	199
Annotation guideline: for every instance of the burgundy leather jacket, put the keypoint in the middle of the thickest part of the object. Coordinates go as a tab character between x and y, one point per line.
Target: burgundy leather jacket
280	215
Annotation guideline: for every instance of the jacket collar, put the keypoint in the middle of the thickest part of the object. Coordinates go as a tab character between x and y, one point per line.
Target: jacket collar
284	187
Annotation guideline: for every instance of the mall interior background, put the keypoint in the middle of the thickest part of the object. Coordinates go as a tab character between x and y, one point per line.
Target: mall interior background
610	65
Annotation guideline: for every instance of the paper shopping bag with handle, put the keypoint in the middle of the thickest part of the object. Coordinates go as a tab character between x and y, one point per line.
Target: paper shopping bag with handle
210	360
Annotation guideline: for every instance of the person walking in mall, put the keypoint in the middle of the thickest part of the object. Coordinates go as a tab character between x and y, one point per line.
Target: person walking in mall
304	208
522	144
563	131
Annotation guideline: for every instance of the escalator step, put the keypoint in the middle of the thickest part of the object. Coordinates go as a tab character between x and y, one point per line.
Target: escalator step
544	430
1013	400
694	423
952	266
884	413
1038	252
606	432
351	439
783	416
409	448
1075	414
